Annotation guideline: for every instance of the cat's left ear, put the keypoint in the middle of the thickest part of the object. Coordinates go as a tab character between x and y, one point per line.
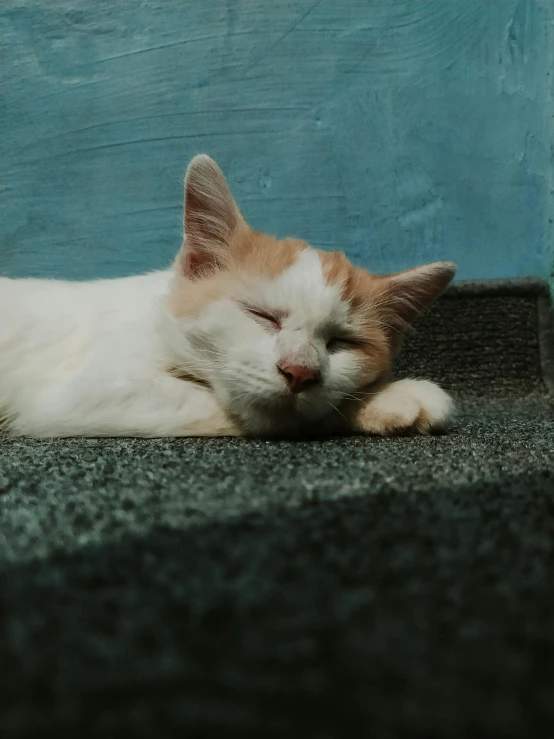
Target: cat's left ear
211	218
408	293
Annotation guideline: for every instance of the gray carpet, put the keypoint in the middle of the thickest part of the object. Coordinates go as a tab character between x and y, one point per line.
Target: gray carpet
338	588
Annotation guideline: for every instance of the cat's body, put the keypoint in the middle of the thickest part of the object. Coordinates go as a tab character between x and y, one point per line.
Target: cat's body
243	335
88	359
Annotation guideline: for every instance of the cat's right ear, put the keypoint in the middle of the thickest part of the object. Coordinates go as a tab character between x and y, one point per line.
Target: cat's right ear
211	218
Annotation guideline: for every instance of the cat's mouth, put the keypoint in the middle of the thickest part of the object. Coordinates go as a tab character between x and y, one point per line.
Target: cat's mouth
288	407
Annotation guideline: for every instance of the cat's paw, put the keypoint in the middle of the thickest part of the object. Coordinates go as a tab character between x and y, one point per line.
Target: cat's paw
407	406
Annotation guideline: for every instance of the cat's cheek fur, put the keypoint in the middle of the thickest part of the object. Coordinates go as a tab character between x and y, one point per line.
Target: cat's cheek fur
348	372
247	377
407	406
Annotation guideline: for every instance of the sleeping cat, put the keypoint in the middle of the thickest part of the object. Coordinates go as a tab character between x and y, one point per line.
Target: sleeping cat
244	335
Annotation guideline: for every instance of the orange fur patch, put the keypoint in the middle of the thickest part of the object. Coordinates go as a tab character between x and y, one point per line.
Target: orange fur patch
364	294
191	297
263	255
248	253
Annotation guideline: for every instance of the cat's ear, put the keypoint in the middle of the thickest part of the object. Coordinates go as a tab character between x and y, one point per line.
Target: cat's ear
408	293
211	218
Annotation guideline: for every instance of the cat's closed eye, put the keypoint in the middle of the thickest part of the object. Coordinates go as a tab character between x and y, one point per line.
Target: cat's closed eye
336	343
263	316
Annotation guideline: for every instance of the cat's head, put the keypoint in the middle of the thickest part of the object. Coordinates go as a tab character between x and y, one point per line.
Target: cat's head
282	332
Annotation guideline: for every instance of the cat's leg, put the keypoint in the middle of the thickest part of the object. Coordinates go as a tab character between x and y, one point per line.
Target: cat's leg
164	406
406	406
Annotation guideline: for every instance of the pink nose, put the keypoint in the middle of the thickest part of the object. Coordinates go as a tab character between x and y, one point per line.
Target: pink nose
299	378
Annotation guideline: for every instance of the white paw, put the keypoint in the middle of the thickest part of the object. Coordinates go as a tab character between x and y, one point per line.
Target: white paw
407	406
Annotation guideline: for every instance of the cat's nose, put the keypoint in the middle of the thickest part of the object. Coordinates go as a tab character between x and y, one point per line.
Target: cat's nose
299	378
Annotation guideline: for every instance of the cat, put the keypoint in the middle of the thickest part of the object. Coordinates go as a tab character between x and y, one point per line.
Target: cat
243	335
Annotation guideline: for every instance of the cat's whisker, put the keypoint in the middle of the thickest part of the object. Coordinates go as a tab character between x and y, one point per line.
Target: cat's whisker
334	407
359	395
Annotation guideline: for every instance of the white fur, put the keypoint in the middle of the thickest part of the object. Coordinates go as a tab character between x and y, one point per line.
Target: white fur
93	358
407	405
86	359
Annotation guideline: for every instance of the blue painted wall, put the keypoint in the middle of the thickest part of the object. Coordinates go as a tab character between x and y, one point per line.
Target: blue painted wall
399	131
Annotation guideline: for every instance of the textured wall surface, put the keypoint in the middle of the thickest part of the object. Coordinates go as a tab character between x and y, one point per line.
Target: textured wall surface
399	131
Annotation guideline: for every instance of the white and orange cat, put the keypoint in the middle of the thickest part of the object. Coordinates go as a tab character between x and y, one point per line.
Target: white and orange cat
244	335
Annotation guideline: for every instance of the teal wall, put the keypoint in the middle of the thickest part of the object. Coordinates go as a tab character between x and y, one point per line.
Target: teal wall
399	131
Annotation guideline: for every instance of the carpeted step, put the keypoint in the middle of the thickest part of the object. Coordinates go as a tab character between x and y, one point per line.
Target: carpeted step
490	338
